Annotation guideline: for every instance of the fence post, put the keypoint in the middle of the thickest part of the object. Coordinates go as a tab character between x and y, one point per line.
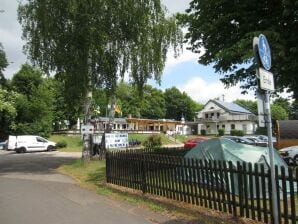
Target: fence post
143	170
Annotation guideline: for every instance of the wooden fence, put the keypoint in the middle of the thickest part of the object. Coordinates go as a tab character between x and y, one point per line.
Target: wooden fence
241	189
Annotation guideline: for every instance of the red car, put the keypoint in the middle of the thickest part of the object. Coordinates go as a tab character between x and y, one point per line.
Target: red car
189	144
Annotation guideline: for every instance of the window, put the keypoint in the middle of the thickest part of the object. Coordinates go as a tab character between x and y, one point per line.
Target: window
232	126
211	108
223	126
40	140
217	114
206	115
212	114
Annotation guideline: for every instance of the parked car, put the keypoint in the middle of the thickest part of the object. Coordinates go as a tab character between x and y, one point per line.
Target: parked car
189	144
28	143
3	145
290	154
256	140
241	140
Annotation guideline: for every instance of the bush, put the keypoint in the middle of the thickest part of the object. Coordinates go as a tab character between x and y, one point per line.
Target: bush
236	132
221	132
203	132
153	142
61	144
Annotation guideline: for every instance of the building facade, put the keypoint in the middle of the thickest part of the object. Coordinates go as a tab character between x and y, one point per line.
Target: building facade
228	116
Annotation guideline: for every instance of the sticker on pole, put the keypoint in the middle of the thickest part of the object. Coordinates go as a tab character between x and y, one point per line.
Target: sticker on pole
266	80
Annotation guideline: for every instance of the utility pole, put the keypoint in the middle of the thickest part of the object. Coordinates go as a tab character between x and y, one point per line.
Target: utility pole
88	127
266	84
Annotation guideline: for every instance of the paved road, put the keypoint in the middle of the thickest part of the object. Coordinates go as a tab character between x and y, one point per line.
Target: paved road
31	192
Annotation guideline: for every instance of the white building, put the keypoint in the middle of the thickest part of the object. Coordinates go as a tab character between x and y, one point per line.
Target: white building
218	114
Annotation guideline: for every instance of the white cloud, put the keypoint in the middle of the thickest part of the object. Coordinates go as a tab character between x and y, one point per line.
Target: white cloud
201	91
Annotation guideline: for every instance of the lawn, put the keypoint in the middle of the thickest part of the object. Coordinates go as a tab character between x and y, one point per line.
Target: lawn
143	137
74	143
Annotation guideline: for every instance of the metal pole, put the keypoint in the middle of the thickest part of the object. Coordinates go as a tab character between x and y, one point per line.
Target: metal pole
271	156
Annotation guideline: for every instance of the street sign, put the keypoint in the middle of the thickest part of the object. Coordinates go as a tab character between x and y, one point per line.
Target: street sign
264	52
261	114
87	129
116	140
266	80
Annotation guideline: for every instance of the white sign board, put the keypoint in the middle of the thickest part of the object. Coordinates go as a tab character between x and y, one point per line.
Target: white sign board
116	140
266	80
87	129
261	114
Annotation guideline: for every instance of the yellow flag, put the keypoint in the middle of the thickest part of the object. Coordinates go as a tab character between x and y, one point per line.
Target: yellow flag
117	109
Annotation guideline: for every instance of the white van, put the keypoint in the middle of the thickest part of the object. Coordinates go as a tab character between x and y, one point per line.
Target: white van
29	143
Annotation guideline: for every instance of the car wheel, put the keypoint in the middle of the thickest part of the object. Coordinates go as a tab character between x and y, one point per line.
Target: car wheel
23	150
50	148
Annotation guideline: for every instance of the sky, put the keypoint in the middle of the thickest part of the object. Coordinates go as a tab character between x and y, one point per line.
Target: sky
200	82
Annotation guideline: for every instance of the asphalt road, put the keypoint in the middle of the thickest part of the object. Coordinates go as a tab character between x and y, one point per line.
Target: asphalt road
32	192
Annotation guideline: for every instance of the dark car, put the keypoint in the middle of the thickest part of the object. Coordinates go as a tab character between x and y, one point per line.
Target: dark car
240	140
189	144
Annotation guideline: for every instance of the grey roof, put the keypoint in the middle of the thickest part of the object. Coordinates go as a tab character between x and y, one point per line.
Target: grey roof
232	107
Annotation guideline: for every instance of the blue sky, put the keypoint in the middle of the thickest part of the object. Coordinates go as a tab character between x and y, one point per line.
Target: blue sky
198	81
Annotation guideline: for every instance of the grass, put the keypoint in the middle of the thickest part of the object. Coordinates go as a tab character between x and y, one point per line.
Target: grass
143	137
74	143
91	175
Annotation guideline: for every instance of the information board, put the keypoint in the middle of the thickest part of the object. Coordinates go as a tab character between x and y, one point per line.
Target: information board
116	140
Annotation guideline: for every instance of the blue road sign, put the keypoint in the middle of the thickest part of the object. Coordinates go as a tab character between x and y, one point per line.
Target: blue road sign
264	52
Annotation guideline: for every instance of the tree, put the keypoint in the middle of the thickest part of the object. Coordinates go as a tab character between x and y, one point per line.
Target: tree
98	41
249	105
284	103
153	103
35	104
222	32
294	110
3	65
180	104
278	112
27	80
8	112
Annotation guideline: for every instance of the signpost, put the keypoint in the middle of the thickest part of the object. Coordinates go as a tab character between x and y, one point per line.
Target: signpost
263	58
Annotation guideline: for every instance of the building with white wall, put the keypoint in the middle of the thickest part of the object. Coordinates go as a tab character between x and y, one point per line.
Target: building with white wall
223	115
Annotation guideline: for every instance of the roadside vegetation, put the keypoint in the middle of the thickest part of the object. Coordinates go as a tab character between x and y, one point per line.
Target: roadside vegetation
75	144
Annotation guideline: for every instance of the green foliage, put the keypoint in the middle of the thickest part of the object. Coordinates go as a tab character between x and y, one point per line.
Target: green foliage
178	104
249	105
61	144
34	106
3	65
221	132
27	80
203	132
235	132
278	112
8	112
294	110
153	142
74	143
223	31
90	41
261	131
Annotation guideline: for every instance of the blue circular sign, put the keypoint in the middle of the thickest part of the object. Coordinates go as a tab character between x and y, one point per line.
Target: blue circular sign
264	52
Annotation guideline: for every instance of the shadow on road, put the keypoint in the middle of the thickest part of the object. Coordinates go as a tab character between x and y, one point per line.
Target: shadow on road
36	163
